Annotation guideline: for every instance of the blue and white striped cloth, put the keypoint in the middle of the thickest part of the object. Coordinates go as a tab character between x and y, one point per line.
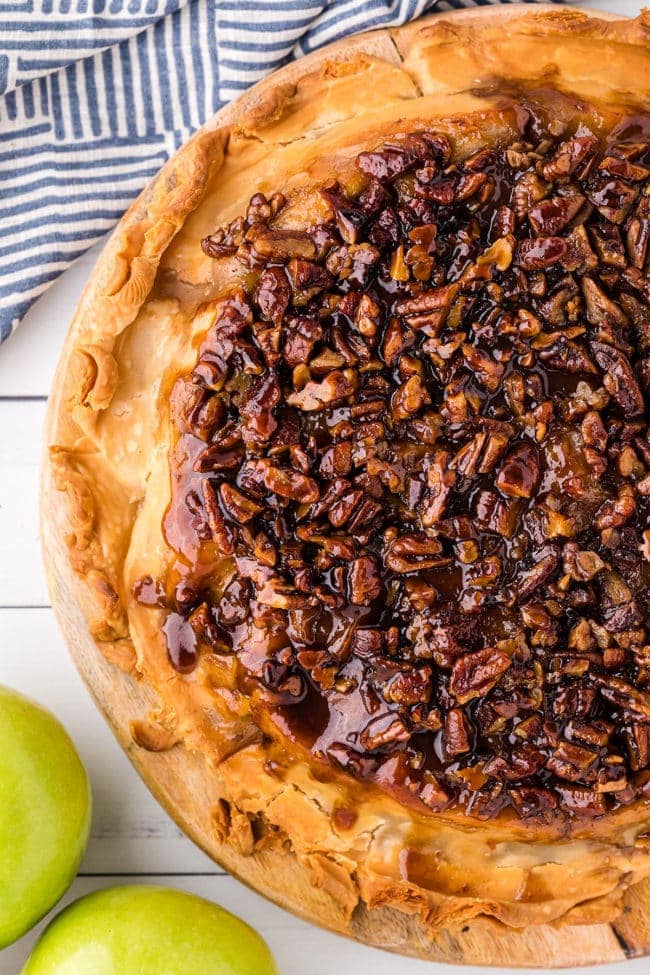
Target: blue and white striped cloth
96	94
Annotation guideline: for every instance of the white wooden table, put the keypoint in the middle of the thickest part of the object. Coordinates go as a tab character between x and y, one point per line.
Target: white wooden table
133	840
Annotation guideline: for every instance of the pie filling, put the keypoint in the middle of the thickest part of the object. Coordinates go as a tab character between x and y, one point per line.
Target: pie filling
411	480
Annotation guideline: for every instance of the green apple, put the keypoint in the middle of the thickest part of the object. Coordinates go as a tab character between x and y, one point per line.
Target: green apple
44	813
146	930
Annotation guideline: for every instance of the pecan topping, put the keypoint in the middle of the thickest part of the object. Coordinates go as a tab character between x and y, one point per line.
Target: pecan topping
410	398
335	387
474	674
520	472
456	736
411	474
364	581
619	378
532	255
239	506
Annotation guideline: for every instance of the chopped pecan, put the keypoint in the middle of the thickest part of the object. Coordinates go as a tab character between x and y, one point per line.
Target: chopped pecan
456	734
432	794
466	460
290	484
238	505
397	339
281	244
306	279
580	800
540	252
364	581
493	514
368	317
257	410
619	379
572	762
383	730
545	565
638	743
523	761
409	687
519	473
581	565
637	238
533	802
429	308
410	398
474	674
485	368
352	262
195	410
593	431
337	386
214	459
440	484
528	190
599	306
613	198
551	216
273	293
616	511
416	551
222	533
623	695
570	156
579	256
387	163
349	217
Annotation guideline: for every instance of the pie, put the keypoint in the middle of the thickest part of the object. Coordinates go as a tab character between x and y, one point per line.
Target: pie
349	457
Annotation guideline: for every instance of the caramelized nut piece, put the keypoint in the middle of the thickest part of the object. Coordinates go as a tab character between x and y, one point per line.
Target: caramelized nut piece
279	244
406	553
239	506
519	473
456	738
410	398
337	386
364	581
474	674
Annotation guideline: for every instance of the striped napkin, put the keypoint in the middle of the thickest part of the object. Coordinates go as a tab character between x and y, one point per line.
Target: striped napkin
96	94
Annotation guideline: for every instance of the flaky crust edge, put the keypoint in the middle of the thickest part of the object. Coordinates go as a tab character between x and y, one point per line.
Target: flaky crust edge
325	883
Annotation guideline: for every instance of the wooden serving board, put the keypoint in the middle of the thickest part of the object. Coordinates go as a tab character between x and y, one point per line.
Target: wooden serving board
181	782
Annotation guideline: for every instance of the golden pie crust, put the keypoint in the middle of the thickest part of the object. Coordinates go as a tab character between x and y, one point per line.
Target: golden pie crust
107	483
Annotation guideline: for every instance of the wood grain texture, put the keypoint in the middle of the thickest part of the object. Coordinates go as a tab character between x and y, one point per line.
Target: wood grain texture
181	781
22	582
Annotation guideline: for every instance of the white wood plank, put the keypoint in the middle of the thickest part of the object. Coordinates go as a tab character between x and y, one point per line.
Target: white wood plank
297	946
629	8
22	580
131	833
28	358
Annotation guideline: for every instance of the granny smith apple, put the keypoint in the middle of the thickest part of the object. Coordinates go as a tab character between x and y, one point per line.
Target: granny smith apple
146	930
44	813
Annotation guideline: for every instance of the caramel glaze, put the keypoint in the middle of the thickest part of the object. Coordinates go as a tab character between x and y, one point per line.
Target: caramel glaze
477	636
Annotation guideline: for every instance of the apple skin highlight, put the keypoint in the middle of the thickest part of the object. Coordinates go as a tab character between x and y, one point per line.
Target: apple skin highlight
45	813
143	929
